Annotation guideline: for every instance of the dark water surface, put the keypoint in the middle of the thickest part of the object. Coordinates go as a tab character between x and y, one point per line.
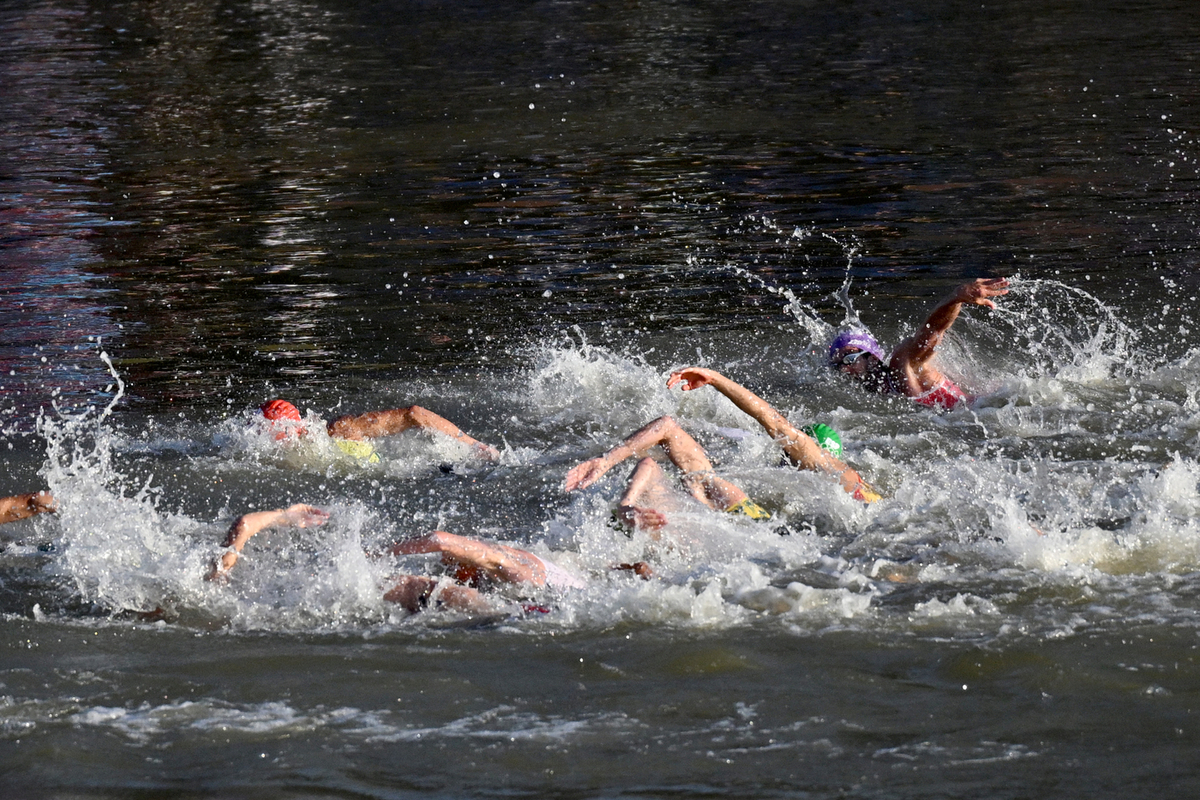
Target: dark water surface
524	216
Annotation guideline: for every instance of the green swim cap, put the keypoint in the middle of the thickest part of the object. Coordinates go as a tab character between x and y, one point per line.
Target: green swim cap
825	436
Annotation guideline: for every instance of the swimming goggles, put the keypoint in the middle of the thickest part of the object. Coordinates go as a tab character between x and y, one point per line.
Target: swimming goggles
850	358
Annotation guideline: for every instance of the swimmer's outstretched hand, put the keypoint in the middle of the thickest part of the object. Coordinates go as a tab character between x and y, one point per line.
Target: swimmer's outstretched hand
584	475
642	518
304	516
486	452
691	378
977	292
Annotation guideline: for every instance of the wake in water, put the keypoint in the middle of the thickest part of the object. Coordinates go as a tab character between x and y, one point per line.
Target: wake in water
1076	466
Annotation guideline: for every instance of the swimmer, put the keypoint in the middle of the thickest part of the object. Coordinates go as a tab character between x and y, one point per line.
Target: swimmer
351	434
647	491
911	370
23	506
476	563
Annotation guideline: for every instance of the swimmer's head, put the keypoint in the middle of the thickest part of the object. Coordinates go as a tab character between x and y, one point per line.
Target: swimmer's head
856	340
857	355
282	414
280	409
825	436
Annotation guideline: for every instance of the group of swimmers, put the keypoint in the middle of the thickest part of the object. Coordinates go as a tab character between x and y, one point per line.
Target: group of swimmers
909	371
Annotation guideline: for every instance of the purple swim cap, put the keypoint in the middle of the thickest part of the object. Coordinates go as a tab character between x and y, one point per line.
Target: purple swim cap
860	339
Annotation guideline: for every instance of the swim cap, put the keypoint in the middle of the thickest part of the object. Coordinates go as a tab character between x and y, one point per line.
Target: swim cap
280	409
825	436
860	339
281	414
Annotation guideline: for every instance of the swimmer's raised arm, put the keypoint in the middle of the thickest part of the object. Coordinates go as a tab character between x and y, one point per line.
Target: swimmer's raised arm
247	525
23	506
918	348
775	424
375	424
801	449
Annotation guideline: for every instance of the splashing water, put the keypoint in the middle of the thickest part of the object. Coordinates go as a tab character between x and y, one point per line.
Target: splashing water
1078	465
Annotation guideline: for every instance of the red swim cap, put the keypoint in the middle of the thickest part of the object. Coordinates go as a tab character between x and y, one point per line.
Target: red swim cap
280	409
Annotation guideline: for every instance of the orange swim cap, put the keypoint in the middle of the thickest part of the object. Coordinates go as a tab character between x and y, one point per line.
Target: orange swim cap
280	409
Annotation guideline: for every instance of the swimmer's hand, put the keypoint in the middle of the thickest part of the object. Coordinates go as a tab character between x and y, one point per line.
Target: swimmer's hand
303	516
639	568
218	573
42	502
978	291
486	452
584	475
691	378
641	518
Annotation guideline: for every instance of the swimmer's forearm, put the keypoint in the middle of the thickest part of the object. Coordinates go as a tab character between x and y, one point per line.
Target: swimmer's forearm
798	446
929	336
23	506
801	448
623	451
977	292
919	347
775	424
243	529
692	378
425	419
641	440
588	472
246	526
482	449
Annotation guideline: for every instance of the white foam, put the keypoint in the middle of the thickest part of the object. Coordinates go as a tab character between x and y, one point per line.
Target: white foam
1094	453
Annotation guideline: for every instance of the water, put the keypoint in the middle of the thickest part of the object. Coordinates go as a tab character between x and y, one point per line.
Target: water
524	217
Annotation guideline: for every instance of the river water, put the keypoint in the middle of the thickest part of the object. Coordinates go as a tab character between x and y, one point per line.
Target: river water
524	216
